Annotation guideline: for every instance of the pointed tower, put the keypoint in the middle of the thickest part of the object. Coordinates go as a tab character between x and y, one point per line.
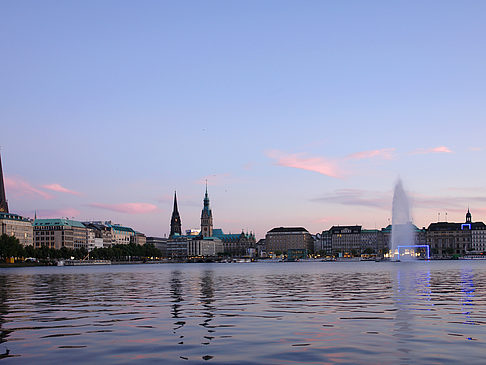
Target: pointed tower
175	221
206	217
468	216
3	198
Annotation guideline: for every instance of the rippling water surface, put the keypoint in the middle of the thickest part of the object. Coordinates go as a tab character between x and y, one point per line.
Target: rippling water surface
254	313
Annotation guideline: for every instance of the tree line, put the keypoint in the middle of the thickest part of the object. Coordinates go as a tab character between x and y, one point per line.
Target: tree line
11	247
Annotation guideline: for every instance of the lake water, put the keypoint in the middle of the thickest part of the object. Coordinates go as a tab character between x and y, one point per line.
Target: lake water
253	313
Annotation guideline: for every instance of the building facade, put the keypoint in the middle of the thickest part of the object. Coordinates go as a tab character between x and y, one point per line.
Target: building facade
204	247
282	239
58	233
346	240
17	226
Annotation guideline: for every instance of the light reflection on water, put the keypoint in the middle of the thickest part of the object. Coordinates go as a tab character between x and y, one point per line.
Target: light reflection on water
276	313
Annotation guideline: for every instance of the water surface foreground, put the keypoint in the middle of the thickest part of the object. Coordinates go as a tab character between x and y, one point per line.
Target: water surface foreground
252	313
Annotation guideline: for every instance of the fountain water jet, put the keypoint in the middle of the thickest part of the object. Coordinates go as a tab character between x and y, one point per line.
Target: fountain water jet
402	228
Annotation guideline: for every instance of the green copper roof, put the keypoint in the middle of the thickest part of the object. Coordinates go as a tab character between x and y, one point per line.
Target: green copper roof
58	222
11	216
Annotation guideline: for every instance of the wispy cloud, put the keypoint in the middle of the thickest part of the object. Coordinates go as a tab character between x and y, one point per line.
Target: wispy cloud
129	208
475	149
440	149
19	187
59	188
320	165
384	153
357	197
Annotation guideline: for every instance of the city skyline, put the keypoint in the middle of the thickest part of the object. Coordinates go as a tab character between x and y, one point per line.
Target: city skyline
296	116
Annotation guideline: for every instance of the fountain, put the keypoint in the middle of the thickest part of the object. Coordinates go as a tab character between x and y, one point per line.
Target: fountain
403	231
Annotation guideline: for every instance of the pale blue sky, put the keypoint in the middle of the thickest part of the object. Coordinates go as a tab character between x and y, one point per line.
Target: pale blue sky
280	104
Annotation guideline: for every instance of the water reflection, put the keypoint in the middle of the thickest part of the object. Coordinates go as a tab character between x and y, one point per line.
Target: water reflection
247	313
467	288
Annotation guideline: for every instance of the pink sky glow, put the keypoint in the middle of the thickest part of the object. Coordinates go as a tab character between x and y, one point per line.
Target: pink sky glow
59	188
19	187
129	208
385	153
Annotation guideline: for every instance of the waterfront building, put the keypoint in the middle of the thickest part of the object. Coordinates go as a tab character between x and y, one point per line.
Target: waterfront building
322	243
159	243
17	226
121	235
346	240
237	244
447	238
175	222
282	239
57	233
3	196
204	247
139	238
103	233
206	217
369	241
261	248
177	247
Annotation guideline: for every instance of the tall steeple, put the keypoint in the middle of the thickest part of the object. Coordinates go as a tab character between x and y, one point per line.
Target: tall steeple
175	222
206	217
3	198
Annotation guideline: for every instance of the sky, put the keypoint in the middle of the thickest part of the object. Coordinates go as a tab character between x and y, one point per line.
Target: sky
296	113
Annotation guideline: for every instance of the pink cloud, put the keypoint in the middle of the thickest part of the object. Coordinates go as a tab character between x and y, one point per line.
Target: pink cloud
60	188
385	153
440	149
299	161
129	208
20	187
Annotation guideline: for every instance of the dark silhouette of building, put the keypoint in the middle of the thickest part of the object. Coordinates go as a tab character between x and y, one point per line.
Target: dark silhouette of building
175	222
3	198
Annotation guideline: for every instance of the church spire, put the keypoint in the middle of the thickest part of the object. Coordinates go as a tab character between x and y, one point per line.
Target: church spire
206	216
175	222
3	198
468	216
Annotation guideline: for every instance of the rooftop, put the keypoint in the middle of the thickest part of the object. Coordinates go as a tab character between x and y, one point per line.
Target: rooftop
58	222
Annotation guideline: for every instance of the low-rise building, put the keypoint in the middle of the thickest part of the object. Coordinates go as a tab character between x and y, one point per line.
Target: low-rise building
121	235
204	247
236	245
101	231
139	238
58	233
346	240
17	226
282	239
177	247
159	243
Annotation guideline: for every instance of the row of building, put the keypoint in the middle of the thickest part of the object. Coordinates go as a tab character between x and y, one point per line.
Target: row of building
444	239
59	232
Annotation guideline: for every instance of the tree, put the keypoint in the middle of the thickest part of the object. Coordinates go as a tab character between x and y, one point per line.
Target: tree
10	247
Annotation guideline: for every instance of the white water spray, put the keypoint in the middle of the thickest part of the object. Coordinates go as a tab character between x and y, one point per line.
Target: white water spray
402	228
